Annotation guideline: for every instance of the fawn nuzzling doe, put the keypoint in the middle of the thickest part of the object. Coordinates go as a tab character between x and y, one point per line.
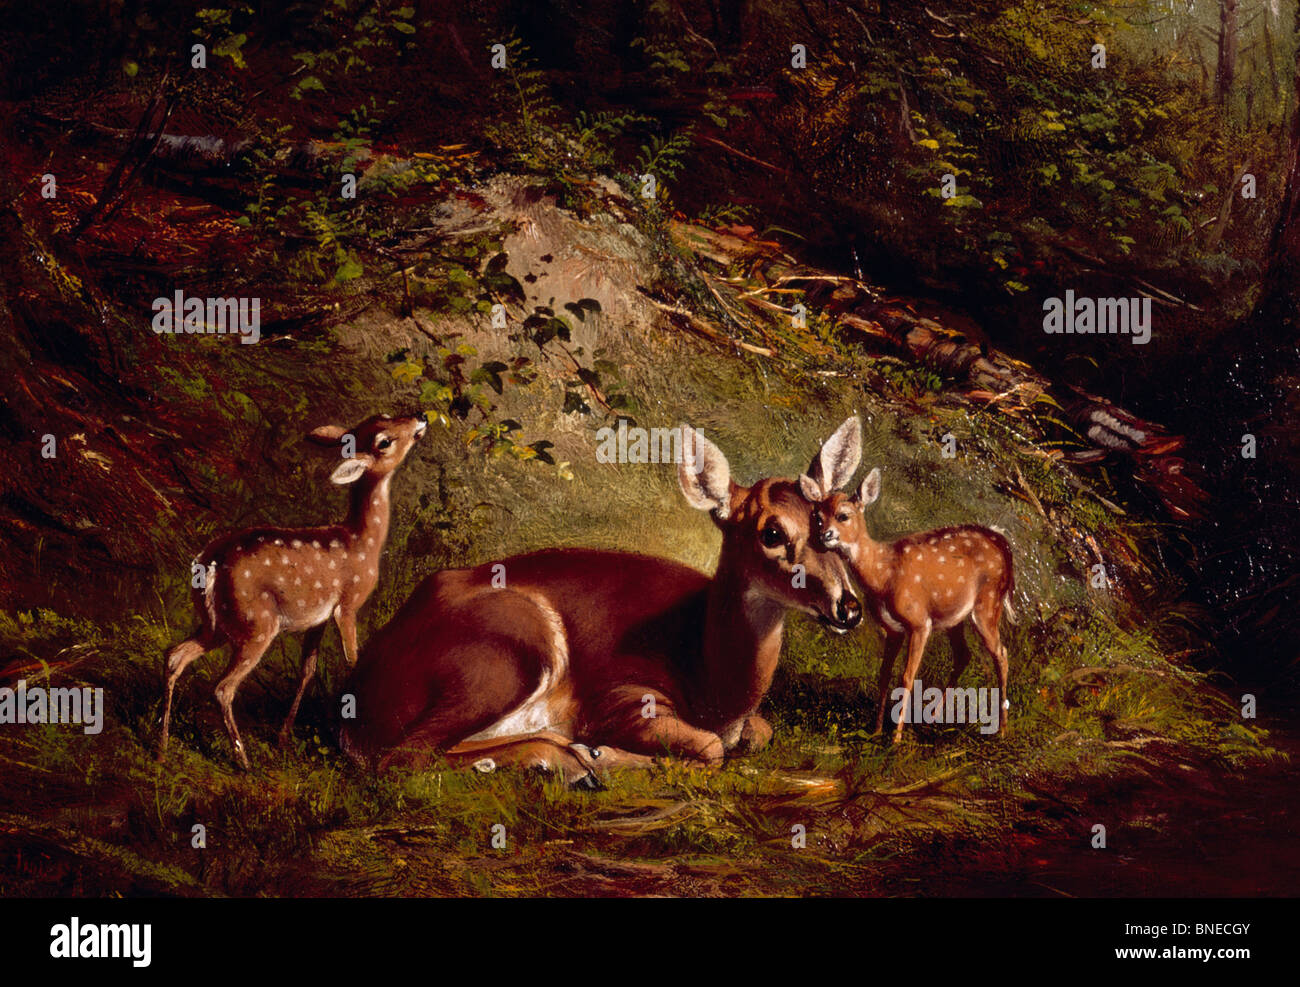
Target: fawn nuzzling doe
261	581
921	582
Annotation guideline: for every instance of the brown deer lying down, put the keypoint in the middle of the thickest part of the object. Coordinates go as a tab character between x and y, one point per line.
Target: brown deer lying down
261	581
628	655
927	580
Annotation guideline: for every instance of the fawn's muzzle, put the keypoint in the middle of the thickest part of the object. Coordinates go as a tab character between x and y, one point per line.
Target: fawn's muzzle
830	537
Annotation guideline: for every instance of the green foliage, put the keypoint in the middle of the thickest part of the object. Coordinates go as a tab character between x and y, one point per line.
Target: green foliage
545	139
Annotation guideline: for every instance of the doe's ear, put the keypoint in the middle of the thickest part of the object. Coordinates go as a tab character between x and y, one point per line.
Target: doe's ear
326	435
704	474
869	490
351	470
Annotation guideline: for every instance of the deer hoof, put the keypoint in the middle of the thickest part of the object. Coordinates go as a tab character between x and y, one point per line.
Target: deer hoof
587	783
485	766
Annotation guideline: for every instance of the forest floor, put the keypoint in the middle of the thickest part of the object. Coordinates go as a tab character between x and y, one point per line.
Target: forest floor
1113	726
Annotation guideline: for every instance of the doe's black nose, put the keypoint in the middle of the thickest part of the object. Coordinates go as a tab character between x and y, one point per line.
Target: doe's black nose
848	611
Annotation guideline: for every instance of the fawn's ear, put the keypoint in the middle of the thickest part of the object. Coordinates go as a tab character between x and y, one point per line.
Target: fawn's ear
869	490
704	474
352	470
326	435
835	463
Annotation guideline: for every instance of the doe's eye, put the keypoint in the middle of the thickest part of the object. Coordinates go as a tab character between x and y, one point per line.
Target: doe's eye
772	537
384	443
842	516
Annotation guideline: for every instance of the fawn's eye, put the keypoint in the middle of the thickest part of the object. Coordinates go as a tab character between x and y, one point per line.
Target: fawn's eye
383	443
772	537
842	516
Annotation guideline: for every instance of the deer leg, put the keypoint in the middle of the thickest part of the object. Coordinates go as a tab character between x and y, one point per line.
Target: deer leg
747	734
916	640
347	624
666	733
985	618
576	764
960	653
310	648
179	658
754	735
627	727
888	657
247	655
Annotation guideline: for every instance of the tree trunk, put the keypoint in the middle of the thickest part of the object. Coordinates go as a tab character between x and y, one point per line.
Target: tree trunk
1278	308
1227	68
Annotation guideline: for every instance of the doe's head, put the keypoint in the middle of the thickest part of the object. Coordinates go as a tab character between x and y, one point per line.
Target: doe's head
767	538
377	446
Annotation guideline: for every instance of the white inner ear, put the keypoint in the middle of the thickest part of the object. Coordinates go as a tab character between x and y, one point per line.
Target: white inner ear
841	454
870	489
328	433
704	474
810	488
350	470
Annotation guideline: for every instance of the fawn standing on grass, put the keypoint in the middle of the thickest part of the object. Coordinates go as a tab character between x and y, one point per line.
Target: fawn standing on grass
261	581
923	581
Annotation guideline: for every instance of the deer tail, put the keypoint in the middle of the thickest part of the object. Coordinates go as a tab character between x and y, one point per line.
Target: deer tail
207	597
1009	578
